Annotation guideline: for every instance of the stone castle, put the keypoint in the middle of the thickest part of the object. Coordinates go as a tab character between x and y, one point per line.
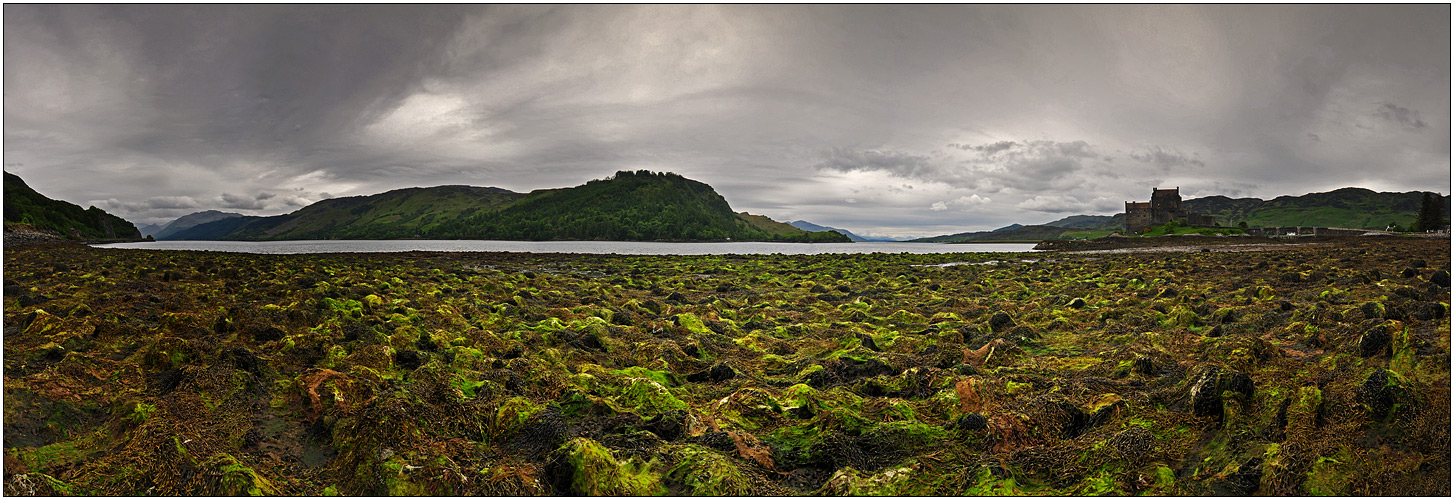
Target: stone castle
1164	207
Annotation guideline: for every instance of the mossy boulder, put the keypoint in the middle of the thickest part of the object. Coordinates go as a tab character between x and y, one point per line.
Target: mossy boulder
583	466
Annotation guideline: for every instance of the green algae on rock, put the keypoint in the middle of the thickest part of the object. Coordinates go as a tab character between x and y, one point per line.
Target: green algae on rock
1313	370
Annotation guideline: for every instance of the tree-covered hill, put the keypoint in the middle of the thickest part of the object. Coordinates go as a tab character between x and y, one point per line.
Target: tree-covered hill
632	206
25	205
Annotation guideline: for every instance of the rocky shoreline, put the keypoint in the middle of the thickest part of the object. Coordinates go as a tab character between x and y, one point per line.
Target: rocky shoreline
1312	369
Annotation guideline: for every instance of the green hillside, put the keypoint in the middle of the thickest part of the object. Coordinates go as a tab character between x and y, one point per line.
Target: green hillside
25	205
632	206
1347	207
1022	233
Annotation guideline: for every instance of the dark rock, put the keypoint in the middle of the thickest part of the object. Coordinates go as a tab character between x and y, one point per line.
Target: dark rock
1214	332
1247	478
716	440
867	342
1379	393
717	373
818	288
970	422
845	289
1418	263
262	334
1431	310
426	344
1000	321
676	297
587	340
1409	272
409	360
1440	278
1145	365
1239	383
668	426
1076	303
246	361
28	300
1169	293
513	352
1371	310
1206	396
1374	341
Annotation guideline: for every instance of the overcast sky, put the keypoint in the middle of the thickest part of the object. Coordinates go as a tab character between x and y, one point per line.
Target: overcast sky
884	120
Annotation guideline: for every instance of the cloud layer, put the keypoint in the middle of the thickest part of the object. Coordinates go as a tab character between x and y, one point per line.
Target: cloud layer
886	120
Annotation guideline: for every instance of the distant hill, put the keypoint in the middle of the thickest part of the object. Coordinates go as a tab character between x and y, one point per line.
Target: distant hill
632	206
1008	228
1022	233
1092	222
187	221
25	205
149	229
1347	207
814	228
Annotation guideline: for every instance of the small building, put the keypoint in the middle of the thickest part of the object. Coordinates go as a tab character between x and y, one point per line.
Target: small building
1164	207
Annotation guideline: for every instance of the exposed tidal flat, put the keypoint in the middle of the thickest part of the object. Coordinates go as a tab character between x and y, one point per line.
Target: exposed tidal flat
578	247
1317	369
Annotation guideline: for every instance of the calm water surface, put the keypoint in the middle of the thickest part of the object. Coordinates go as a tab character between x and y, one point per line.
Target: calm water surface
585	247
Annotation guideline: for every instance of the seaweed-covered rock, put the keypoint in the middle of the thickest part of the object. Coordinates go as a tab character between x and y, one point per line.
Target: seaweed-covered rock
1409	272
409	360
1430	310
1379	393
1374	341
969	422
543	432
1134	443
1000	321
1076	303
585	467
1206	395
1440	277
867	342
717	373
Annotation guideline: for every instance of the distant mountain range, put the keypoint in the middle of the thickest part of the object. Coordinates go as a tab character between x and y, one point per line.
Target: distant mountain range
25	205
162	231
1356	208
630	206
809	226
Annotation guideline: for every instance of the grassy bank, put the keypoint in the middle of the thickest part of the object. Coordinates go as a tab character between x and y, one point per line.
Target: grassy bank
1321	370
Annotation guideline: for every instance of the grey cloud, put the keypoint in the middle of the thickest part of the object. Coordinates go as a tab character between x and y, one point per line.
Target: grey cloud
1031	107
1167	158
243	202
895	162
1405	117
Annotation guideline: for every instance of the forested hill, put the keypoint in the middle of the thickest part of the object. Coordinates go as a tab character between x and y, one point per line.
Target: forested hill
633	206
1346	207
25	205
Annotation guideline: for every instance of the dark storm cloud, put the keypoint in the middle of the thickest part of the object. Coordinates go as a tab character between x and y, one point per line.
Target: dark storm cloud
879	119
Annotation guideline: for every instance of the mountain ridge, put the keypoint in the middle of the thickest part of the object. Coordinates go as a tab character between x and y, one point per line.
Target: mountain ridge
25	205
